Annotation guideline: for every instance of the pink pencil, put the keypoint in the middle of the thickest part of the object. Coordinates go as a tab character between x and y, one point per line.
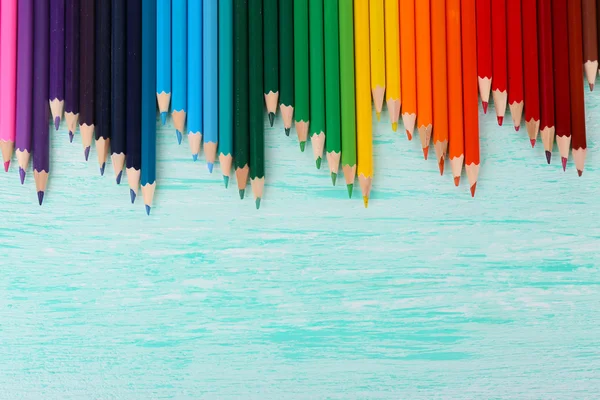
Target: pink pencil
8	77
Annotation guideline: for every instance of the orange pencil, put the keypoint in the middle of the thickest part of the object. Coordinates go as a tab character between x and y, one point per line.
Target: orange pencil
470	102
423	37
440	83
455	88
408	65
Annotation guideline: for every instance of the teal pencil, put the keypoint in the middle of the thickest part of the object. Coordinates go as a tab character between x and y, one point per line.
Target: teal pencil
225	87
194	78
179	65
210	61
148	125
163	57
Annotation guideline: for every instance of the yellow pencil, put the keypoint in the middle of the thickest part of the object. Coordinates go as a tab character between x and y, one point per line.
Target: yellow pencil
377	52
392	61
363	97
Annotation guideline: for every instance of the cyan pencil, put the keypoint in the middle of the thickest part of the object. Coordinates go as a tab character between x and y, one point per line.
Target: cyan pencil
179	66
163	57
210	61
194	78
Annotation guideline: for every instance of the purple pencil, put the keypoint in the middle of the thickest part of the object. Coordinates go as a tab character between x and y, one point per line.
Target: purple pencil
72	66
24	84
41	137
57	60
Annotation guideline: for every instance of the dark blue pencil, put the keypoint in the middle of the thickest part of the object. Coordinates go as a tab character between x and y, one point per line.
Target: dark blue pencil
103	86
118	98
72	66
56	90
86	74
148	102
133	95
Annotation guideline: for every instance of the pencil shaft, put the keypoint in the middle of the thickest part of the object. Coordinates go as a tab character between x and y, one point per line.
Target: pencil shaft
210	83
590	30
148	101
179	58
41	140
226	77
424	78
499	55
86	57
57	50
163	54
576	90
255	89
24	76
72	56
240	85
332	77
392	56
194	68
102	122
531	62
317	68
118	78
377	52
455	88
301	68
134	84
439	77
408	56
469	68
8	70
484	39
271	49
546	65
286	52
347	104
515	52
562	98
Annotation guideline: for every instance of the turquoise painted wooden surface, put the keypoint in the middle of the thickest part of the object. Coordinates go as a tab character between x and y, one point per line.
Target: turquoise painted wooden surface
428	293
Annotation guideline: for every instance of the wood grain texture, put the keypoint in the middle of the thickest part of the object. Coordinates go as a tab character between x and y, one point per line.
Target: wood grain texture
426	294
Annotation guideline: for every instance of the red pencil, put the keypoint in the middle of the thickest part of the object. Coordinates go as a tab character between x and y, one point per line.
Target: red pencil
515	62
546	77
576	75
484	51
499	69
562	95
531	69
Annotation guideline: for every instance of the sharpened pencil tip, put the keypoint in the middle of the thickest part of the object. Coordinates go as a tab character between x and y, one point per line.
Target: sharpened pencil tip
302	146
378	115
441	166
408	135
473	189
242	192
500	120
271	118
22	175
56	123
517	127
6	165
591	87
257	202
350	188
366	201
564	163
102	169
394	126
178	137
456	180
287	131
333	178
41	197
425	152
119	175
163	118
132	195
86	153
318	162
147	209
579	172
195	157
226	181
532	141
548	156
209	165
71	137
485	106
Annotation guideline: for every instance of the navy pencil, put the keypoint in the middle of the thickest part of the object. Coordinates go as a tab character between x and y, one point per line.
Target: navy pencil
102	85
57	60
86	74
72	65
133	110
118	98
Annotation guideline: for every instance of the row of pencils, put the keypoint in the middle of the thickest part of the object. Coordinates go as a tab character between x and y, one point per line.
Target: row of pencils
214	65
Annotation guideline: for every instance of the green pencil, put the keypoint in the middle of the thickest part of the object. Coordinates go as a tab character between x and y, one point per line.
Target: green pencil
302	110
286	62
255	89
240	87
317	79
332	87
347	93
271	58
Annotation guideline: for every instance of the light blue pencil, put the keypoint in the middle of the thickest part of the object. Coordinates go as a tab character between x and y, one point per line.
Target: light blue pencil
194	81
225	87
210	60
179	65
163	60
148	104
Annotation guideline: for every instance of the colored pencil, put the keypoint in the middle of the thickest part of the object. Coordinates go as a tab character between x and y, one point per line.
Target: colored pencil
392	61
531	69
226	87
86	74
364	135
102	78
240	86
179	66
286	63
133	96
118	84
590	40
576	90
470	101
408	55
255	96
8	78
301	74
332	87
499	57
57	60
546	77
440	81
41	137
317	79
347	102
484	50
515	62
455	88
562	95
72	66
271	52
210	85
148	103
423	42
163	57
377	52
194	77
24	85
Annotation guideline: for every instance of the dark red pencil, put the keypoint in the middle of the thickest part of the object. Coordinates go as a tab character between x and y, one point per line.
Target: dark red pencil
484	50
531	69
562	95
499	56
546	76
515	61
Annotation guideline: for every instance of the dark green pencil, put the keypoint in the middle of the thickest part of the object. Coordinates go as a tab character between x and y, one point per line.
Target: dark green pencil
286	62
271	58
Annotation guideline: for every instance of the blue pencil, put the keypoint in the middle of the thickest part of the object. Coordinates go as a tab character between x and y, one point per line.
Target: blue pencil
163	60
194	81
225	87
179	65
210	60
148	102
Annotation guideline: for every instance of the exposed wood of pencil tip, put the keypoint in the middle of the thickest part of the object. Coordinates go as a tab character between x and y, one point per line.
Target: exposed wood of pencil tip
287	114
178	118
